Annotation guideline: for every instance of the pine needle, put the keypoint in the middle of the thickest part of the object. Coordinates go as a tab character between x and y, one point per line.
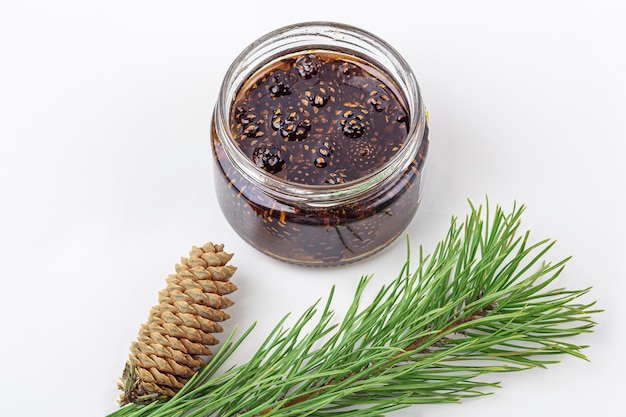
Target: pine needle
482	303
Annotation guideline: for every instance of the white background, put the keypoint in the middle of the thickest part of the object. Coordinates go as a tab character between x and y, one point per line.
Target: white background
106	176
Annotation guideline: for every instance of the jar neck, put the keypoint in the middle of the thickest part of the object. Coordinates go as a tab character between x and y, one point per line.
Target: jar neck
330	37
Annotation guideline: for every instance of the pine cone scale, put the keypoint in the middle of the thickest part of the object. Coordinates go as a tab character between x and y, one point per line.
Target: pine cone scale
196	348
221	274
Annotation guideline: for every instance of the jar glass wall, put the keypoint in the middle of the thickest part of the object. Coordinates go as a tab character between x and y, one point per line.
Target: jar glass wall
320	137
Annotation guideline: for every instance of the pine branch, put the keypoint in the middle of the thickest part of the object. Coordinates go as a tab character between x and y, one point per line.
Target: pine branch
481	303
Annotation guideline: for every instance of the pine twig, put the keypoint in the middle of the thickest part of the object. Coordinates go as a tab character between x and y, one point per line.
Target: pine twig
483	302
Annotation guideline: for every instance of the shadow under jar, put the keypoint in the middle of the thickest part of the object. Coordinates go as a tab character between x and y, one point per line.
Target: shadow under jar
320	137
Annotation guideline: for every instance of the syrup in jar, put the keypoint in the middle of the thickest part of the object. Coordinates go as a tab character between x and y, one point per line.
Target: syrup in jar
319	150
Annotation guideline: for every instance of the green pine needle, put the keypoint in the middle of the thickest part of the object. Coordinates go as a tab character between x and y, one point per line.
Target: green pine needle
481	303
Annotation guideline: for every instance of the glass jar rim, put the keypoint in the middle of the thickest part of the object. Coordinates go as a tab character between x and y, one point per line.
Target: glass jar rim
329	36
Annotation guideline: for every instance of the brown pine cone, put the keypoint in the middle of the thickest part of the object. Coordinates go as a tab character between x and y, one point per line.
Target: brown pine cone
173	344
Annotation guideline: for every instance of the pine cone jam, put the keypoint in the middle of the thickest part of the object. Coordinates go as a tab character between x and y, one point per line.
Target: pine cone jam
319	149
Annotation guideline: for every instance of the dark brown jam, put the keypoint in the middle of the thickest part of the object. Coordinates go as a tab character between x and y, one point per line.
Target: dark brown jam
319	118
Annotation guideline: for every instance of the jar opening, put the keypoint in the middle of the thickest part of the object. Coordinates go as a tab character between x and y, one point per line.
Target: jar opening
301	40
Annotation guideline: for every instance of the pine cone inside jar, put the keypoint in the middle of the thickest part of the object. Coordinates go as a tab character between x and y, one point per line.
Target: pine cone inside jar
173	344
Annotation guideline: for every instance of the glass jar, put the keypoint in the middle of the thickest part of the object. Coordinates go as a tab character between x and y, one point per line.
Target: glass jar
355	212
